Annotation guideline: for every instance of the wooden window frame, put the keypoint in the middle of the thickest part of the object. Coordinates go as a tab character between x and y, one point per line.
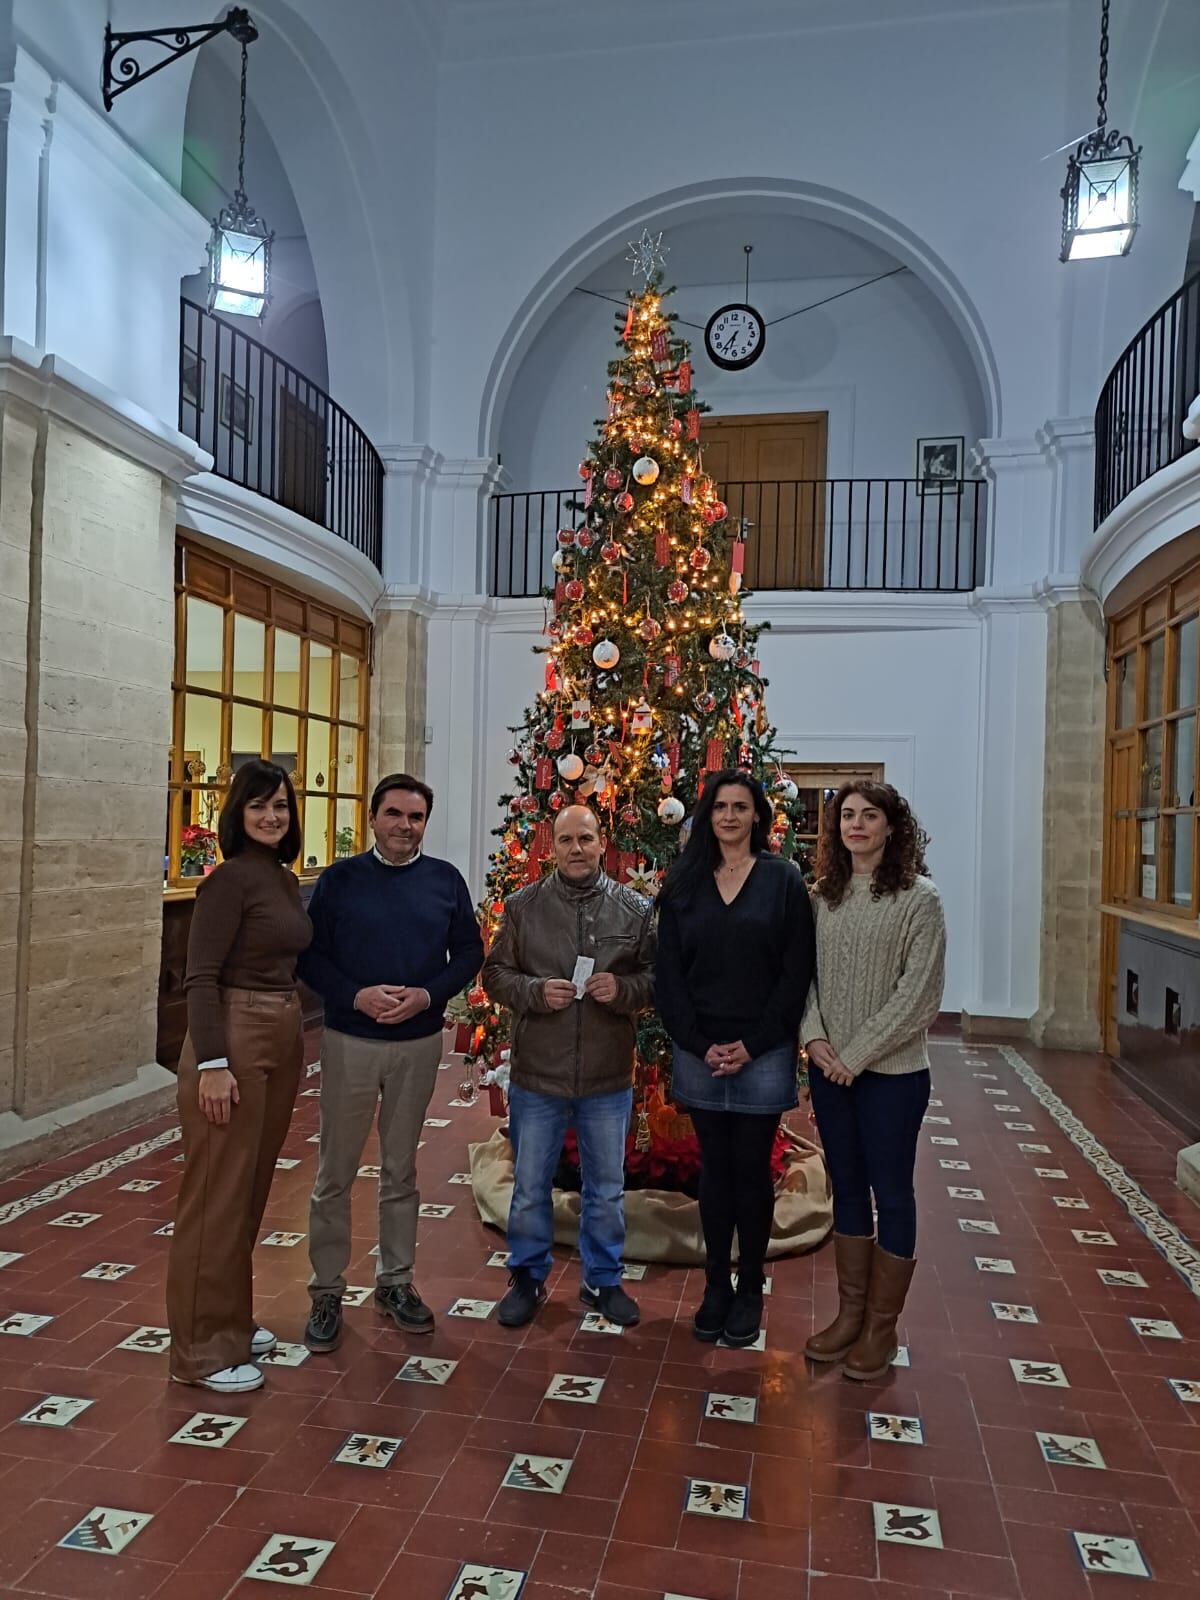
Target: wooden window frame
202	574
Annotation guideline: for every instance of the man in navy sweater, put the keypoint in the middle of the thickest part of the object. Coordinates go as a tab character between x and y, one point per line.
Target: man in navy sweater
394	937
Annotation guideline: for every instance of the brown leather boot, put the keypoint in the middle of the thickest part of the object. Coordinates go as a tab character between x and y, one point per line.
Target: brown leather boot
875	1346
853	1257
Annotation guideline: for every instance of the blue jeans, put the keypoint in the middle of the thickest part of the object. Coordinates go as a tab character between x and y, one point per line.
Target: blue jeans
869	1131
537	1126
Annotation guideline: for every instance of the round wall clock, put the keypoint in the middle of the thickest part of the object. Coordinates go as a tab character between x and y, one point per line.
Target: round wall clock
735	336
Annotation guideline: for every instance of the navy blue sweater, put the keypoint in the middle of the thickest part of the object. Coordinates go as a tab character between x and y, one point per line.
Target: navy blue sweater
373	923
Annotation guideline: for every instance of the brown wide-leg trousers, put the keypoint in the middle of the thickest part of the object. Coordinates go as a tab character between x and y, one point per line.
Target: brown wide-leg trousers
227	1174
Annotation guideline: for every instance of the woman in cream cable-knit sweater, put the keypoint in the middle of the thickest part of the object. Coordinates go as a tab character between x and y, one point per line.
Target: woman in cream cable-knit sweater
881	947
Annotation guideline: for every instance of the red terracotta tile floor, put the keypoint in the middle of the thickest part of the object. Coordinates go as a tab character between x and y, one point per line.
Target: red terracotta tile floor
1040	1437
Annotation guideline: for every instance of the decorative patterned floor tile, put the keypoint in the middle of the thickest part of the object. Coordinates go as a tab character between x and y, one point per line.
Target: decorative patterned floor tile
367	1450
436	1122
7	1257
105	1531
76	1219
595	1322
536	1474
498	1258
167	1231
56	1411
426	1369
12	1209
286	1163
139	1185
943	1122
1050	1172
1092	1236
941	1139
579	1390
907	1525
1154	1328
459	1103
459	1177
976	1225
883	1425
708	1499
22	1323
956	1193
1034	1149
1115	1278
289	1558
985	1076
148	1341
1104	1552
313	1093
314	1138
901	1358
1004	1312
1007	1107
730	1408
994	1264
486	1583
475	1310
1065	1450
937	1104
1070	1202
368	1171
991	1091
108	1271
357	1294
285	1241
1046	1373
207	1431
285	1355
635	1271
1019	1127
955	1166
1187	1389
434	1211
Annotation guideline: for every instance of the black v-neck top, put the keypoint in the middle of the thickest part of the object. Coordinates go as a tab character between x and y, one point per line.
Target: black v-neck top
737	971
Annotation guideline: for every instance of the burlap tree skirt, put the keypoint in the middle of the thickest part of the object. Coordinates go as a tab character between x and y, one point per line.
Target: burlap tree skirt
660	1225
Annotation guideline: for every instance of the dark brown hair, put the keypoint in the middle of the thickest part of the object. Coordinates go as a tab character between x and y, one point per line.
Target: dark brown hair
258	780
903	855
402	780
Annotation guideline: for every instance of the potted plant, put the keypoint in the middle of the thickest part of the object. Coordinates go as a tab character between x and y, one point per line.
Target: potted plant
343	842
197	848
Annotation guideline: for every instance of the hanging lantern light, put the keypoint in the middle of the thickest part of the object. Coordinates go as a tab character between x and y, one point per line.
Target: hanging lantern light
1100	194
239	252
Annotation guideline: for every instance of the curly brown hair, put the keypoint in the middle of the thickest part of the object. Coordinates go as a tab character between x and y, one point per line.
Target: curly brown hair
903	856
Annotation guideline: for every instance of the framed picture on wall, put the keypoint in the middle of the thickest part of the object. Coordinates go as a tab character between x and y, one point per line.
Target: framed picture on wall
192	372
940	465
237	409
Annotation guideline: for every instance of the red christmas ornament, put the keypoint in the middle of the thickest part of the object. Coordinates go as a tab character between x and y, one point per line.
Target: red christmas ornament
556	801
700	558
514	806
566	537
677	591
674	427
649	629
555	739
514	757
584	540
585	469
574	589
530	804
720	511
477	996
610	553
629	816
594	754
583	635
554	631
515	849
742	660
624	501
612	479
706	702
709	515
644	385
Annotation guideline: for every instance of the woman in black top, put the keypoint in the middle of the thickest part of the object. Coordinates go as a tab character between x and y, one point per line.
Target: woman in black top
735	960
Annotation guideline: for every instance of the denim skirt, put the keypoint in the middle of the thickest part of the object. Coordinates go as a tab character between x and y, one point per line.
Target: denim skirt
766	1085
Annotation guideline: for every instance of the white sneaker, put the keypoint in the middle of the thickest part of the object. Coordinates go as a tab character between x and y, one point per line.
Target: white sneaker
230	1380
262	1342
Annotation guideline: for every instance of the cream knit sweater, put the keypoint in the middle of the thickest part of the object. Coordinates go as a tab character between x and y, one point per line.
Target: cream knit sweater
880	968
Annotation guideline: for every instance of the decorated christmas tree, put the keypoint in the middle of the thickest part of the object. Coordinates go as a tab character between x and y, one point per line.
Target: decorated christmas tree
651	676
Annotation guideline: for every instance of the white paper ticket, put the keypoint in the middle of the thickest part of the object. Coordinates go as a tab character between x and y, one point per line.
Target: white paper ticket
584	967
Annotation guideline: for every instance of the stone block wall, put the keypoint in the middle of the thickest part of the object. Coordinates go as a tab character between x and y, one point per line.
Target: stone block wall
397	732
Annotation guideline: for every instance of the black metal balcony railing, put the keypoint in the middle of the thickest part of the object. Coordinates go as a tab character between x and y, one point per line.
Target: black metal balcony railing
1145	399
270	429
833	533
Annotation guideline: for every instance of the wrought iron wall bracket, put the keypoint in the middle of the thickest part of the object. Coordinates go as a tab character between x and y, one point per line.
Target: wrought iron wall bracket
123	71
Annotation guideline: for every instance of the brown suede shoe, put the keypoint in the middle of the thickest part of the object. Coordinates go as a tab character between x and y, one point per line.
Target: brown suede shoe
853	1257
875	1346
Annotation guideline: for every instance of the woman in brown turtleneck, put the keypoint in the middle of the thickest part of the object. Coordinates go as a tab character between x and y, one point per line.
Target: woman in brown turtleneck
238	1077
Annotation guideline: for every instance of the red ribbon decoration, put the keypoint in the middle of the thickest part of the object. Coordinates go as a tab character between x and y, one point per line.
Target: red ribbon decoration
543	773
658	344
714	755
685	376
737	556
692	424
628	321
662	549
672	754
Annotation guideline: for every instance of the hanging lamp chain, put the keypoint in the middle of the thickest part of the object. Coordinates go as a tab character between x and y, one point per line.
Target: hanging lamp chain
1102	93
241	183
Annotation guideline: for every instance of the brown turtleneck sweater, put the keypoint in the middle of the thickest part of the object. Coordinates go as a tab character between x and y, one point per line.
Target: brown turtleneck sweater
248	928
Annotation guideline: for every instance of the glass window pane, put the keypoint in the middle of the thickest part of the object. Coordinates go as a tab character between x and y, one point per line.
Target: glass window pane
1147	884
287	668
349	770
316	852
320	679
1155	660
350	837
317	772
1152	757
1126	670
1187	640
1180	839
198	837
807	810
249	645
205	625
350	675
246	740
285	743
201	738
1183	767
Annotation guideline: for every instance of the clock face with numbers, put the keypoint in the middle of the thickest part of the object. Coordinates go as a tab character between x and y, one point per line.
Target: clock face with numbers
735	337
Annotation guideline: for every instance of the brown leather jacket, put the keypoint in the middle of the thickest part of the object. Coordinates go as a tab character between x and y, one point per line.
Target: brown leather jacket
586	1048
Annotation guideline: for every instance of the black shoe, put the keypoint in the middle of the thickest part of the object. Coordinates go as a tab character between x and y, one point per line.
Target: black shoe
709	1322
404	1305
324	1329
612	1302
525	1294
744	1320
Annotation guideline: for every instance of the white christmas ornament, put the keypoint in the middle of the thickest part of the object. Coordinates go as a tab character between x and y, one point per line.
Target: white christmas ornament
670	810
721	647
606	655
570	766
786	790
645	470
560	561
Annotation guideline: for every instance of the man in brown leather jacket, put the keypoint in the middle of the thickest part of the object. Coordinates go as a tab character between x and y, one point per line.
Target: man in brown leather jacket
573	960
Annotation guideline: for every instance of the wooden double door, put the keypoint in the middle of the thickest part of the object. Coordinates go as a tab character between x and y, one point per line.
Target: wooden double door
772	472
